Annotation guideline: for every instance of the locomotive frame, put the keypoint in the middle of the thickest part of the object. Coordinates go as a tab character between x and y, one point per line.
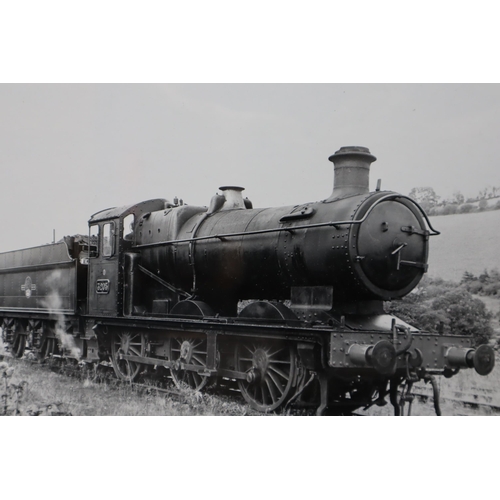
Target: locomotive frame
169	295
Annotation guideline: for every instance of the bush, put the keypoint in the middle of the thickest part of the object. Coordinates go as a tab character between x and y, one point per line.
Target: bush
475	288
483	205
449	209
466	208
487	283
465	315
446	307
491	289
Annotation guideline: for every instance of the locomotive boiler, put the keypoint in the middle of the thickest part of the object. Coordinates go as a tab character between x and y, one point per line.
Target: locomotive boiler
360	245
287	303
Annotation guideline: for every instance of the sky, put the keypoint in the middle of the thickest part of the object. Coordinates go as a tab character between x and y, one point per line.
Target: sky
70	150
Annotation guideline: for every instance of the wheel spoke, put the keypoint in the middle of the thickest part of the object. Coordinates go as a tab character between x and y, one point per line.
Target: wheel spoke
263	394
254	390
197	378
271	391
279	372
276	382
271	354
198	359
134	351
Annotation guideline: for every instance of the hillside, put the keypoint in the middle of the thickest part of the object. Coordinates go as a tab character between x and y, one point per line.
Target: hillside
468	242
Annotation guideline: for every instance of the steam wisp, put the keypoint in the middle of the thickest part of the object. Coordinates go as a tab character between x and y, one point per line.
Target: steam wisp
53	303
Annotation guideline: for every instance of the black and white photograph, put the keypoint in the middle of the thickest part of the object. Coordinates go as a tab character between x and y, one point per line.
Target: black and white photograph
249	263
191	233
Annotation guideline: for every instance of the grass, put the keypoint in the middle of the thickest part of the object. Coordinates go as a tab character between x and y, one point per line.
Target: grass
47	392
38	390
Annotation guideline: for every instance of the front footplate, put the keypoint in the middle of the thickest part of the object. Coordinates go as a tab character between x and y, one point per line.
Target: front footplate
432	353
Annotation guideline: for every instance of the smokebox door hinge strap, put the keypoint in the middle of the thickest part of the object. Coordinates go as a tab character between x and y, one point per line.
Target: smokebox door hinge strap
415	230
410	263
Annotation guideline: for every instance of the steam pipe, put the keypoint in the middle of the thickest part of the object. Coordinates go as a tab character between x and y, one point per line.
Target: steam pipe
435	393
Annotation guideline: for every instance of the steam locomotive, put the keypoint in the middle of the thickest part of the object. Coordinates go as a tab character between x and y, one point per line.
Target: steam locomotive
287	303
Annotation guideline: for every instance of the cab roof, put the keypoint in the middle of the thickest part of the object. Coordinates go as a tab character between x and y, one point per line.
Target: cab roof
138	209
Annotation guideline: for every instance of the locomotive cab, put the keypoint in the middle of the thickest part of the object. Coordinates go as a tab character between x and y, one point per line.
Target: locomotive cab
109	283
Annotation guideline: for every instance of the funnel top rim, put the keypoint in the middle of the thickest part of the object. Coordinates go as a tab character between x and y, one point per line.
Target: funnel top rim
353	151
232	188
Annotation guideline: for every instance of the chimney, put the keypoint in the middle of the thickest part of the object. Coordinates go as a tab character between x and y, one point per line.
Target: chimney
233	197
351	171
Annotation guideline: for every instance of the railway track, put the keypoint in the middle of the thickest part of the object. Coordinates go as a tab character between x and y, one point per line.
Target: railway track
467	400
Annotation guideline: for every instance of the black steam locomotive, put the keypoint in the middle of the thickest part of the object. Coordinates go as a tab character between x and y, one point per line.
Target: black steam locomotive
286	302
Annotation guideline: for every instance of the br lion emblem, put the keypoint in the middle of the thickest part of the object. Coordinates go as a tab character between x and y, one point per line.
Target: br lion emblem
28	287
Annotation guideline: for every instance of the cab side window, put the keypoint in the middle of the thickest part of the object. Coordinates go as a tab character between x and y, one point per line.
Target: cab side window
128	227
108	239
94	241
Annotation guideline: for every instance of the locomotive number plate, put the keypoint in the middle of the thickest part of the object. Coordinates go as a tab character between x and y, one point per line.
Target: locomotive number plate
102	286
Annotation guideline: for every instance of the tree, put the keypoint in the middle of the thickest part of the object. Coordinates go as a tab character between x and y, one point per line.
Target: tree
483	205
458	198
426	197
467	276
